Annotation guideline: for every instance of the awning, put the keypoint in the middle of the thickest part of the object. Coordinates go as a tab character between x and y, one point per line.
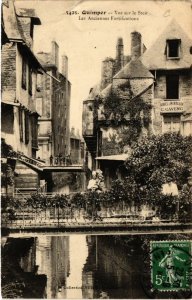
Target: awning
10	103
117	157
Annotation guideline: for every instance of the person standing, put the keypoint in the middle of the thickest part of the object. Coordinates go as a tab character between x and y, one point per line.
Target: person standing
51	160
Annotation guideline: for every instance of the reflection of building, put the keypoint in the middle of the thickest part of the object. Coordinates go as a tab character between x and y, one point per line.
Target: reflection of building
118	268
148	92
53	104
88	274
19	265
43	260
53	260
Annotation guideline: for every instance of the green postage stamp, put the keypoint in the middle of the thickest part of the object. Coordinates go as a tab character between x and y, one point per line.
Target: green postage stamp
171	265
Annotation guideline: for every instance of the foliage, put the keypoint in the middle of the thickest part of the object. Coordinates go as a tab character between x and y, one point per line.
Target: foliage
6	150
42	201
7	177
79	201
155	158
7	174
9	205
111	146
121	107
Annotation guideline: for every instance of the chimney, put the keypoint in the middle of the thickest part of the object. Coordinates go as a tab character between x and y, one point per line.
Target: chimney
55	54
107	71
135	45
65	66
119	54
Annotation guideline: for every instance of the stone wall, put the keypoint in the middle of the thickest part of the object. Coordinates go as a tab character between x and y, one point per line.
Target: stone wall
8	72
185	94
60	114
185	84
108	71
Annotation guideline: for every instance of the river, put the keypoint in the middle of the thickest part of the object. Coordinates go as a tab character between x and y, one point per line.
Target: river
77	266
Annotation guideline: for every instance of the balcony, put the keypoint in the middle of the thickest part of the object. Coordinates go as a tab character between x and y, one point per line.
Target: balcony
171	106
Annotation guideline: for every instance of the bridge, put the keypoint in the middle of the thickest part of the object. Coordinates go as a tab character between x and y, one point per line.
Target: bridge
60	168
70	219
41	167
131	228
53	212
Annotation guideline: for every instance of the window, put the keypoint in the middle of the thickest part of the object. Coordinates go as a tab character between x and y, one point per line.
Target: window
21	124
171	124
34	131
24	74
30	81
172	86
173	48
26	128
39	83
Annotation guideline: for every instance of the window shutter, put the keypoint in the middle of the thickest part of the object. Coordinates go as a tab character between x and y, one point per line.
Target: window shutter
26	128
21	124
30	81
24	69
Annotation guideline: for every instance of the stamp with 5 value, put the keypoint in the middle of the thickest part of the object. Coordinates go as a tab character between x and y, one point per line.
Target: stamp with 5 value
171	263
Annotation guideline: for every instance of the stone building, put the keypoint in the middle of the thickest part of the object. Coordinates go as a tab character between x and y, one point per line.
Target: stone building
53	105
148	92
19	86
170	60
20	69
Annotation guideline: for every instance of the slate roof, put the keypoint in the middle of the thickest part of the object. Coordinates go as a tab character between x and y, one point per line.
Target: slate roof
107	91
155	57
94	92
11	24
134	69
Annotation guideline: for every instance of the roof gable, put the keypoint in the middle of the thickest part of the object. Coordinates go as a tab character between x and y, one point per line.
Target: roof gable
155	57
134	69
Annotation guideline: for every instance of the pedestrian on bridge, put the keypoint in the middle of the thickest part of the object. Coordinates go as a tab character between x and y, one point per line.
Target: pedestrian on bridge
56	160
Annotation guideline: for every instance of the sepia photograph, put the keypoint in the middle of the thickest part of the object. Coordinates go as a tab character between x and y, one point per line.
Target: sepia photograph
96	149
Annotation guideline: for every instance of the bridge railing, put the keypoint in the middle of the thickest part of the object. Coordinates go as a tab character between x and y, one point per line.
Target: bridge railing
69	213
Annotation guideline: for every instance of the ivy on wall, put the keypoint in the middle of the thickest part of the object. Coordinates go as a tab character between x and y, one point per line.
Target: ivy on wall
7	174
111	145
121	107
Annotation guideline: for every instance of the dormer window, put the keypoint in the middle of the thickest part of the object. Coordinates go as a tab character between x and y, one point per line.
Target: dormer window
173	49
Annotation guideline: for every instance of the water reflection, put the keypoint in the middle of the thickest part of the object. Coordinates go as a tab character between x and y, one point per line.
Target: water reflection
74	267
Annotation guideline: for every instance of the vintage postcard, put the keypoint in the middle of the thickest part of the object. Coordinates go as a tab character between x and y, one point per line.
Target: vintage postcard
96	149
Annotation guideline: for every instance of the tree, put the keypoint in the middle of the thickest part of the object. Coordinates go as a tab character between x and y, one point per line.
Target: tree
156	158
